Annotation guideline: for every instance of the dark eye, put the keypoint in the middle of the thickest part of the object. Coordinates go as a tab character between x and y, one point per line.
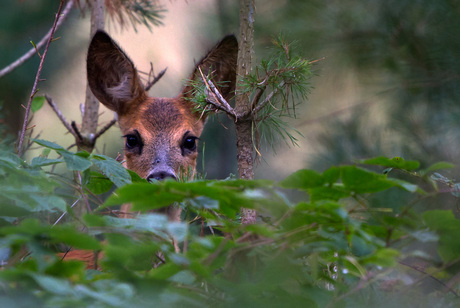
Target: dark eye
133	140
189	143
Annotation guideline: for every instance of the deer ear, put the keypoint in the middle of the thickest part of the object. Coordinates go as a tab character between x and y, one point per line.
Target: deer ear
112	77
220	65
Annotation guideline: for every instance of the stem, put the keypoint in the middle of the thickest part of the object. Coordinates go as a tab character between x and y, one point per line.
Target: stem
155	79
37	78
245	151
91	111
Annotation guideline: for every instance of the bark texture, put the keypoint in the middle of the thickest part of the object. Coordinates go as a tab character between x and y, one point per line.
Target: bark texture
91	108
245	150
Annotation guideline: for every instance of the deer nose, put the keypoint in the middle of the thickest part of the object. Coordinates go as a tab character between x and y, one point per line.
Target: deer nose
160	176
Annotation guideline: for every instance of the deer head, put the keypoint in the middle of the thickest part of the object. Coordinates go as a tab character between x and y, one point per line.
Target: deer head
160	133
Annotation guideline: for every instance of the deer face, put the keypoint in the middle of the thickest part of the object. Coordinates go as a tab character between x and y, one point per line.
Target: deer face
160	133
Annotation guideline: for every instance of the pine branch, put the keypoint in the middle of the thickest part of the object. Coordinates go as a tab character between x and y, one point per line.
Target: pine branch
267	99
146	12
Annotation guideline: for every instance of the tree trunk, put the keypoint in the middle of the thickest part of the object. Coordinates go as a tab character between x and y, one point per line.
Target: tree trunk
245	150
91	111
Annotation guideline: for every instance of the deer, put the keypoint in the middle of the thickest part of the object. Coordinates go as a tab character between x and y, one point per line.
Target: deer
161	134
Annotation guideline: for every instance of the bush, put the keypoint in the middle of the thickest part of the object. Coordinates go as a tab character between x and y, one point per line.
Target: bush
346	237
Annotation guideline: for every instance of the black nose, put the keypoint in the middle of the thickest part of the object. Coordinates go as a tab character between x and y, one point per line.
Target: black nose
160	176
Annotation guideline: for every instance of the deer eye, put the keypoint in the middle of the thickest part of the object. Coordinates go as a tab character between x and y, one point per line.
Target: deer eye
133	140
189	144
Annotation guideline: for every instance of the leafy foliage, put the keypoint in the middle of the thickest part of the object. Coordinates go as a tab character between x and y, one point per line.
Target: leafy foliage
330	238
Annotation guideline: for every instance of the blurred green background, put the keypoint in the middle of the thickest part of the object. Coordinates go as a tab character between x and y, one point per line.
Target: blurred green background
386	84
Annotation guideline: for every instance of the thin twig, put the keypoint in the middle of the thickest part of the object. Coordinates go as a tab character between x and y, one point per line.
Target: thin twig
82	193
224	105
105	128
78	136
260	90
155	80
33	50
266	100
63	214
430	276
59	115
37	77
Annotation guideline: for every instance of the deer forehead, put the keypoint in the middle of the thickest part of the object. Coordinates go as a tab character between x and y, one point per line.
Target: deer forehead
161	119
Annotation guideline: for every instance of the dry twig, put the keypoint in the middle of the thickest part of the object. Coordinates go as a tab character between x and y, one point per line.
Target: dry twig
37	79
155	79
59	115
222	103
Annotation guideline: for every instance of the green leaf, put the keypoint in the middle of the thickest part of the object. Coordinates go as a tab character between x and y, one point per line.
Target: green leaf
11	159
40	161
334	193
439	219
135	178
363	181
395	162
124	252
37	103
112	169
49	144
75	162
303	179
165	271
439	166
144	196
407	186
382	257
183	277
10	210
178	230
54	285
331	175
448	228
98	183
70	236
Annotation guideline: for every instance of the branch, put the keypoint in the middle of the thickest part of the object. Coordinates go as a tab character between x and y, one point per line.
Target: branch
59	115
37	78
155	79
260	90
224	105
32	51
105	128
267	99
447	287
